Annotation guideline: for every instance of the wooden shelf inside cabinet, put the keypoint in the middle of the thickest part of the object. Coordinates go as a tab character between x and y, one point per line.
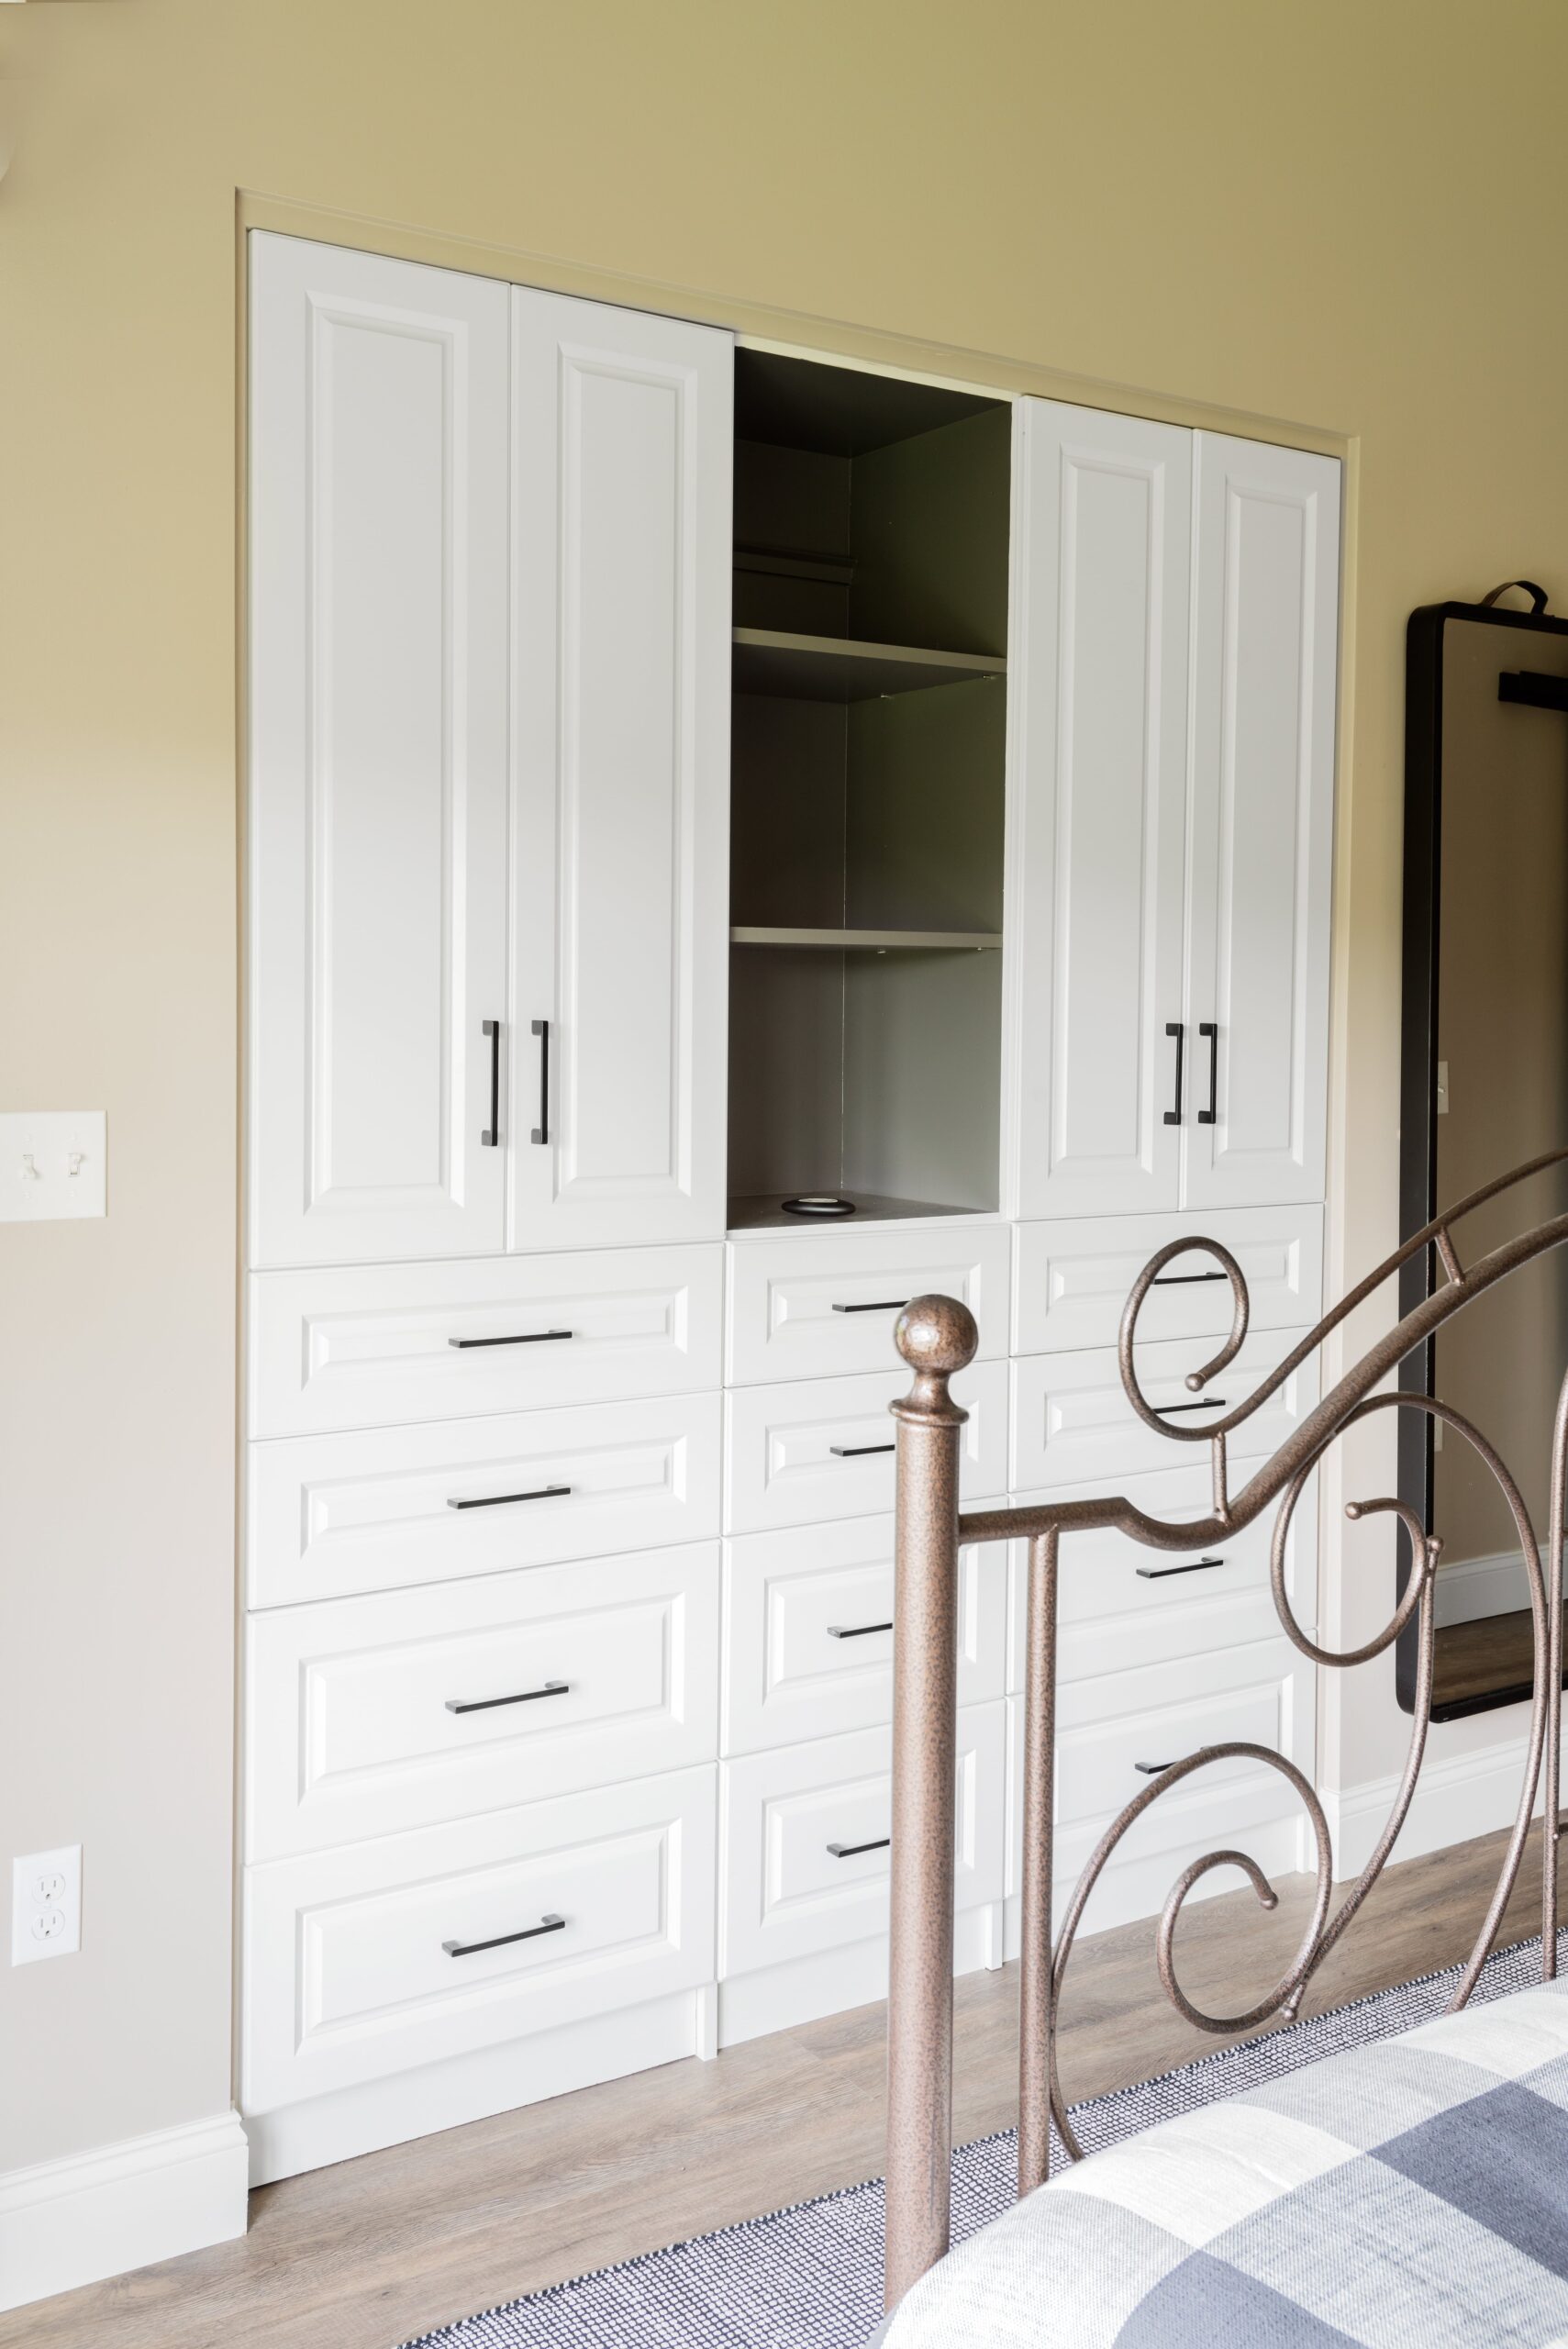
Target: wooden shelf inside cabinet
968	941
833	668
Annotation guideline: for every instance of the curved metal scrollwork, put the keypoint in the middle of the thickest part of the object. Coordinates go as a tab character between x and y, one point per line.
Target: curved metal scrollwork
937	1337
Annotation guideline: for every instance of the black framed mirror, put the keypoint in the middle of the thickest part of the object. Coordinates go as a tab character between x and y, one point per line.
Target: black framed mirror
1484	1088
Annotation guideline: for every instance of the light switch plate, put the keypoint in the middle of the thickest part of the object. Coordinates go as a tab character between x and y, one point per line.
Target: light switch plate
53	1164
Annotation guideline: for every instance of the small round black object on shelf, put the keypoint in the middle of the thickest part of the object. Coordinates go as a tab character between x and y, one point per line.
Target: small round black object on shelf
825	1202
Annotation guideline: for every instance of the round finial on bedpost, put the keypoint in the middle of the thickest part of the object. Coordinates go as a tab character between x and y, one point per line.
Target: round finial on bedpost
936	1336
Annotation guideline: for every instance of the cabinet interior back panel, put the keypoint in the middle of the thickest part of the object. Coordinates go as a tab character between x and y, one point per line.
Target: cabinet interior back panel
378	754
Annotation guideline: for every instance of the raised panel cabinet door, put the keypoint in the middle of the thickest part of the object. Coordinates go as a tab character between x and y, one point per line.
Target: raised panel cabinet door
621	455
377	727
1265	629
1099	665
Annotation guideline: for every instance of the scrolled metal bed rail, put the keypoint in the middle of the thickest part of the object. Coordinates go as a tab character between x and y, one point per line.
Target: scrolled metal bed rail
937	1338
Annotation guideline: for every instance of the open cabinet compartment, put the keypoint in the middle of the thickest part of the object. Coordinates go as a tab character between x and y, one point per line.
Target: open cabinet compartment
868	765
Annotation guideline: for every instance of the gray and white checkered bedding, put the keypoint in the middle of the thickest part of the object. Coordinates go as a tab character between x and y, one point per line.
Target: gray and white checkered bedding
1409	2195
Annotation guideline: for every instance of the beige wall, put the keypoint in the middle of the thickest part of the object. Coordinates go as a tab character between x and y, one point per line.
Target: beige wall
1341	215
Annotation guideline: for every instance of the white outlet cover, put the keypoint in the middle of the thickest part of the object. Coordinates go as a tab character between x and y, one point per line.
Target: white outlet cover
46	1905
53	1164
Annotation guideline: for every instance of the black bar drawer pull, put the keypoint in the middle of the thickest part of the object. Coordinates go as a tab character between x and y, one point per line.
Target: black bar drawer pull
524	1337
1210	1116
858	1451
541	1131
492	1133
1208	1403
523	1697
1176	1028
1150	1769
529	1934
500	1500
852	1851
883	1305
855	1630
1188	1566
1180	1280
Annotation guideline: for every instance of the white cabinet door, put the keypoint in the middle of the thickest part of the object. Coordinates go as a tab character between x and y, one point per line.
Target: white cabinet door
621	452
377	754
1100	678
1265	634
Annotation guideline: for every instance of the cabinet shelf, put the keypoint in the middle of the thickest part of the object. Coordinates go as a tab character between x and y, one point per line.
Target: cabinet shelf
832	668
965	941
767	1211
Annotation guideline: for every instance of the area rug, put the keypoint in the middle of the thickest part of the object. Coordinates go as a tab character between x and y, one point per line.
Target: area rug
810	2277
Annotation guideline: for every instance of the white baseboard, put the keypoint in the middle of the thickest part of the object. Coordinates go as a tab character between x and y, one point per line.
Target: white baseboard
1473	1587
77	2220
829	1982
484	2080
1457	1797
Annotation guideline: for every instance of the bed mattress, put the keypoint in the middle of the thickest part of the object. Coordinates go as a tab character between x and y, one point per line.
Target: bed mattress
1409	2195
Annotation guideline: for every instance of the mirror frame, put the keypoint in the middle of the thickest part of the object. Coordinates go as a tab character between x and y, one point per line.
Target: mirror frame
1418	1203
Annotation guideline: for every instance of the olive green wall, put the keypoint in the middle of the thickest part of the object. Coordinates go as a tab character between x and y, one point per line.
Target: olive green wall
1341	215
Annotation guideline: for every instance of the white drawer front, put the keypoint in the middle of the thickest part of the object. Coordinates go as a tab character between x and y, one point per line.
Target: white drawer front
1261	1693
809	1636
817	1306
821	1449
1119	1603
1073	1278
1072	1424
378	1344
788	1893
369	1716
348	1977
328	1515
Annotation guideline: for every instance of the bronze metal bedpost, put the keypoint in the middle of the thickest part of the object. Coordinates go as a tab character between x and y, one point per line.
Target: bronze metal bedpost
936	1336
1037	1988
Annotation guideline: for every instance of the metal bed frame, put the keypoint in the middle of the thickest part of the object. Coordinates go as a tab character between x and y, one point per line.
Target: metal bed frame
937	1338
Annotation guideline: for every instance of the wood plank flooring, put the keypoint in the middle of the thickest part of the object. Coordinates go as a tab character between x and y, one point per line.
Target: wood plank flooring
375	2251
1492	1656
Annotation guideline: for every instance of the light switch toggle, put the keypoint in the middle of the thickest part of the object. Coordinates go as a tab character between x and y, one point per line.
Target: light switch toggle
53	1164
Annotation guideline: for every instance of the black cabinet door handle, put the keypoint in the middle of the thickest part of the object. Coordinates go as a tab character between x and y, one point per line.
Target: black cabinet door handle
1164	1280
1150	1769
858	1451
883	1305
535	1337
501	1500
1188	1566
1209	1403
1176	1028
492	1133
523	1697
852	1851
855	1630
529	1934
1210	1116
541	1131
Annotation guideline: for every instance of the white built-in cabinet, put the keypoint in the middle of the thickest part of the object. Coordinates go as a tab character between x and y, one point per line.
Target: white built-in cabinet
489	694
567	1507
619	646
1174	860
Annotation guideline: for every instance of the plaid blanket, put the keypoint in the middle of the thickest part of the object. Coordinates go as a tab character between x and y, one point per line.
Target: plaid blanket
1409	2195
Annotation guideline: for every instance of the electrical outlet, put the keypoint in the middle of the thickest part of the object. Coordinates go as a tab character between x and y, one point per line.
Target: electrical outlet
46	1905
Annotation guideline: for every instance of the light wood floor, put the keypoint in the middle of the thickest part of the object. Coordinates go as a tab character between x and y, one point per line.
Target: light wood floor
370	2252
